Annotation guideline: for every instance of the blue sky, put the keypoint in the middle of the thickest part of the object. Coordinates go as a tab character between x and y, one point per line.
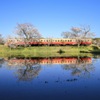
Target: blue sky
50	17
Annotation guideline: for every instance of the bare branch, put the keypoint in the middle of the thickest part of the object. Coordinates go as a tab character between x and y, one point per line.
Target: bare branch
27	32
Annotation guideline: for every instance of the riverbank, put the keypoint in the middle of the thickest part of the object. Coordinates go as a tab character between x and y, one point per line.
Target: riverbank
49	51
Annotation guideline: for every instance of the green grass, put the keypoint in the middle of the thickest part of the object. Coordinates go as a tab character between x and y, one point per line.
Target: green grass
42	51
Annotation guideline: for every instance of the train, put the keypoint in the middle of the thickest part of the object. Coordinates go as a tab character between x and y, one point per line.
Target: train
50	42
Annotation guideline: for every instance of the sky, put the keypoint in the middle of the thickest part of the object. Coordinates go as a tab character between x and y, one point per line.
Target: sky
50	17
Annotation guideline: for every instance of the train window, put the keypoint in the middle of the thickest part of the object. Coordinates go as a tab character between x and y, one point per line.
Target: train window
84	40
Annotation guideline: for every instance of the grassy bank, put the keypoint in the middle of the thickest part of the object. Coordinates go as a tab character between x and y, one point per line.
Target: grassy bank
49	51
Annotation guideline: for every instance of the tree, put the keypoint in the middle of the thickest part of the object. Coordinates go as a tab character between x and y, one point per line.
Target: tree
96	41
78	33
86	32
66	34
27	32
75	32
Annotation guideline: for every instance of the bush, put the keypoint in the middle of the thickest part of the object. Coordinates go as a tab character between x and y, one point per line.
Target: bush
61	51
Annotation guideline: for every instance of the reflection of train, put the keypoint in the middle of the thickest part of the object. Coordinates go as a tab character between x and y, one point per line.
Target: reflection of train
53	41
54	60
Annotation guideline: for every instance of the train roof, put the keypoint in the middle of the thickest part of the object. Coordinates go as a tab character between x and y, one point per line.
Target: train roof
49	38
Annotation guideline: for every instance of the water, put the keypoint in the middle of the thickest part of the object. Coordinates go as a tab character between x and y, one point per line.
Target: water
50	78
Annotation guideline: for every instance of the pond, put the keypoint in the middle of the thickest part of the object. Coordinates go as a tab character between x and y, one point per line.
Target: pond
54	78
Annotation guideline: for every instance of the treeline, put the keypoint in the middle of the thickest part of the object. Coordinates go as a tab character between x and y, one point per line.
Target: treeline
28	32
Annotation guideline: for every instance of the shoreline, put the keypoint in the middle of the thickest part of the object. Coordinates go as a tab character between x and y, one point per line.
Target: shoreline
49	51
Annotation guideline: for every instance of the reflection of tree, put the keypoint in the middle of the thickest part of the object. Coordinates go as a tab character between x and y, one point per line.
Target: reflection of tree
86	69
80	68
28	73
1	62
26	69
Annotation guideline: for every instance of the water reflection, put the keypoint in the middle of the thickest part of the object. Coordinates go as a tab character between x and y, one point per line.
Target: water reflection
1	62
81	67
49	78
28	73
29	68
53	60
